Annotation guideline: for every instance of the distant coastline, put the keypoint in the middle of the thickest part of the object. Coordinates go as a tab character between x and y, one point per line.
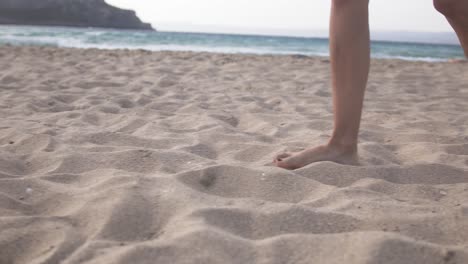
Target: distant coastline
69	13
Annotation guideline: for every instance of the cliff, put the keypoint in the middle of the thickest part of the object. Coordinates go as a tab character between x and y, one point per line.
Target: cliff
77	13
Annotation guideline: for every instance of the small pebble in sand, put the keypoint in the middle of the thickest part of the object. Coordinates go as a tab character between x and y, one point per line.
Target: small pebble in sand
442	192
29	190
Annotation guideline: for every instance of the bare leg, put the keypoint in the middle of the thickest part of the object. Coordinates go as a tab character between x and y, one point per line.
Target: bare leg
350	59
456	12
462	33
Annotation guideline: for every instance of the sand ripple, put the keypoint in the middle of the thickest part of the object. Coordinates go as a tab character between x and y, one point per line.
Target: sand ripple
136	157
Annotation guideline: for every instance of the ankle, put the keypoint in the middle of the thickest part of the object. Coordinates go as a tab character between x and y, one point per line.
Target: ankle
343	145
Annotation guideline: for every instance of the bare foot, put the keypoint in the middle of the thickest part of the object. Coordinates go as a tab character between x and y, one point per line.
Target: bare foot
292	161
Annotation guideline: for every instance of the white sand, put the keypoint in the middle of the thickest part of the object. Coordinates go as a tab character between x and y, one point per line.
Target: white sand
138	157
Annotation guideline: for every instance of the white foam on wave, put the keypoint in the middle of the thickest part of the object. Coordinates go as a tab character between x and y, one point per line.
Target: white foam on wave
43	40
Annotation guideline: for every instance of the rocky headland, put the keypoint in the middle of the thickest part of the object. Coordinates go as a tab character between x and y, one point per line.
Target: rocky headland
74	13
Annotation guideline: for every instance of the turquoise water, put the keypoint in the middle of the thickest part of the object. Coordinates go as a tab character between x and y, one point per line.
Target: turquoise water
156	41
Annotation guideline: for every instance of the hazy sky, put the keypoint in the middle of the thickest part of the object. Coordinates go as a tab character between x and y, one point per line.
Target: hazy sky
298	17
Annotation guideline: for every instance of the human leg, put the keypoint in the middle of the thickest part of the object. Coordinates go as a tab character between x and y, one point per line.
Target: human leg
456	12
350	59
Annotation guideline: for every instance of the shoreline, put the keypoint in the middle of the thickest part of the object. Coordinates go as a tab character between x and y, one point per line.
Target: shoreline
452	43
299	56
214	43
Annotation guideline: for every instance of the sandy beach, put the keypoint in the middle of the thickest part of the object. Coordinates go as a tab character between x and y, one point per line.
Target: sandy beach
166	157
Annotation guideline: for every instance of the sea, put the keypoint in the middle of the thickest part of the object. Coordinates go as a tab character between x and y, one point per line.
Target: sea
208	42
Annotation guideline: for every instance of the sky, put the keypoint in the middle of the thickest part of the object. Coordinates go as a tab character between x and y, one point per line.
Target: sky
280	17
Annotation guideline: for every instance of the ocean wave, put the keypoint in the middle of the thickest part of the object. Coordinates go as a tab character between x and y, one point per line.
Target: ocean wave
218	43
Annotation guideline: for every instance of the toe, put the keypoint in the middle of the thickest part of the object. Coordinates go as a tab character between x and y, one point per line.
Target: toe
284	164
282	156
284	161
